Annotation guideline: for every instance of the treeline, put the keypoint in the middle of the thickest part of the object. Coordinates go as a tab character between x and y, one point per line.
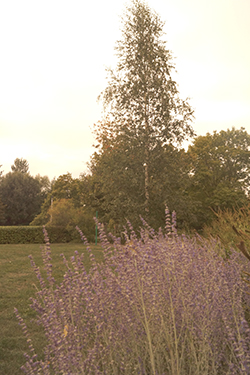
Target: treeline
211	176
28	200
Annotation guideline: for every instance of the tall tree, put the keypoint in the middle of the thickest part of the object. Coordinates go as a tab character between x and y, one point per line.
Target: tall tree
142	108
20	165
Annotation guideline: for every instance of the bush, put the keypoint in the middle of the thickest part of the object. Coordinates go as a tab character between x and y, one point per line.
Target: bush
65	215
32	234
58	234
160	304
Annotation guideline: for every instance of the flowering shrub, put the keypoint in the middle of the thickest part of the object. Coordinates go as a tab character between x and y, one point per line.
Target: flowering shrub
160	304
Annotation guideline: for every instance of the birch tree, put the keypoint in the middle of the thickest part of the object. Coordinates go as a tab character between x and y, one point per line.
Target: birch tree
142	107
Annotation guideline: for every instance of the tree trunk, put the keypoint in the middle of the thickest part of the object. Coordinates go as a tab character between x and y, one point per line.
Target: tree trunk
146	182
146	164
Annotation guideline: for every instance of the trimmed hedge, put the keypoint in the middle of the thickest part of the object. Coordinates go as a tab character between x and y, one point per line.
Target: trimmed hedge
32	234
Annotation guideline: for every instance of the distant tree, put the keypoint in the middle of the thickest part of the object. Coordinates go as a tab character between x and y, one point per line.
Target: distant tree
45	185
2	212
20	165
20	194
143	111
2	207
65	187
220	171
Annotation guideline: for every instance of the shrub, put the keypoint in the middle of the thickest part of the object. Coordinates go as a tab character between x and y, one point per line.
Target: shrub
21	234
160	304
65	215
32	234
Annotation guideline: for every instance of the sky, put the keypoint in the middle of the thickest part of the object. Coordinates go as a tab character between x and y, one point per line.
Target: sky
52	69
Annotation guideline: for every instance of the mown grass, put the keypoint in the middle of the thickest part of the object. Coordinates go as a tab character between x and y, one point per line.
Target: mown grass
17	284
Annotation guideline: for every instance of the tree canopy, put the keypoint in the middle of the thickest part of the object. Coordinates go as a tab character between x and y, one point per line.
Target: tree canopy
220	171
21	197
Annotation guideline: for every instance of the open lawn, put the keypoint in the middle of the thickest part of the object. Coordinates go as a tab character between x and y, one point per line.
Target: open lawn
17	284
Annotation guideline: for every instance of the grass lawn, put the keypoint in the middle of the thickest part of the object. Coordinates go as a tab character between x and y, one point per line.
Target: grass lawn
17	285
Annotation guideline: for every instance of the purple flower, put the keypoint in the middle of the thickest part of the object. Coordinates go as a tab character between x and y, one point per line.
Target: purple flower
156	305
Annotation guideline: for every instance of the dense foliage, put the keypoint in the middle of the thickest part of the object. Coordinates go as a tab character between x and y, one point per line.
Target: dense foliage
220	170
27	234
115	187
20	194
64	207
212	175
64	187
161	304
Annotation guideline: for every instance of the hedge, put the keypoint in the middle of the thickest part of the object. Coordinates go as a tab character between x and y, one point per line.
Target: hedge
32	234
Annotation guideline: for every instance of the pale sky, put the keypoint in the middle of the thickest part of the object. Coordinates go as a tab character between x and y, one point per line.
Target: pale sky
52	68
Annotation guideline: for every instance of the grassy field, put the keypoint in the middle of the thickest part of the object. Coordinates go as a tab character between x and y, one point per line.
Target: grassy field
17	284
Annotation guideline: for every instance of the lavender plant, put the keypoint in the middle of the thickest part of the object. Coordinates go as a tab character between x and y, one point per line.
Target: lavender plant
160	305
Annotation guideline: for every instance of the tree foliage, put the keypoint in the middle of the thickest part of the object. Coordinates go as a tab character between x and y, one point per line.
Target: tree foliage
2	212
21	197
212	175
143	115
220	170
20	165
63	213
141	97
45	185
64	187
115	186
